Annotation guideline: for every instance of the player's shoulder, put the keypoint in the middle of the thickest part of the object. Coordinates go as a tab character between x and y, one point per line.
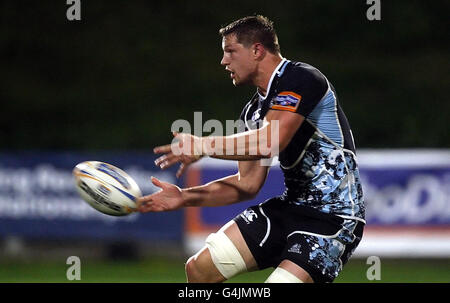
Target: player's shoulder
302	69
300	74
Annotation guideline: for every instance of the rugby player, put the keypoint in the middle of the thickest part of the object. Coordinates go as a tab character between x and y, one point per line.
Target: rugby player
309	232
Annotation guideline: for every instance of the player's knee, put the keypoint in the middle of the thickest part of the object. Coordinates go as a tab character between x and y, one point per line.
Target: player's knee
280	275
197	271
224	255
192	272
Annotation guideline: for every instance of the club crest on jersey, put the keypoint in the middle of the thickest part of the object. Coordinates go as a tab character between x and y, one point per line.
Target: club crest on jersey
256	114
286	101
249	215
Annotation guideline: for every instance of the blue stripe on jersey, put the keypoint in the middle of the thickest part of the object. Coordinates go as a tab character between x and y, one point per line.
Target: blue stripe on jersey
324	117
283	68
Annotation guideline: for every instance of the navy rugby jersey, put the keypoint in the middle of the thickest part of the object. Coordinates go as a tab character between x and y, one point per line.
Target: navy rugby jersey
319	164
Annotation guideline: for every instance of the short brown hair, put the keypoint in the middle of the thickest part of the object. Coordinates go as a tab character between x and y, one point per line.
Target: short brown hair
253	29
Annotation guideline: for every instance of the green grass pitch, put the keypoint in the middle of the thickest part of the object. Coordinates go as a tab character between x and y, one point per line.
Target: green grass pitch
168	270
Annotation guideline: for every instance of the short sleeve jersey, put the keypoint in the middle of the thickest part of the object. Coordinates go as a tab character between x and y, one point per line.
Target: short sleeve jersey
319	163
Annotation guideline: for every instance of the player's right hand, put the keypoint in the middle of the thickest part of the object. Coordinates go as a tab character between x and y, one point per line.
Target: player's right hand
168	198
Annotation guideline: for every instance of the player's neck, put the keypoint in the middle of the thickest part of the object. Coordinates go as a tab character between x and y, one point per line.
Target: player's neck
265	71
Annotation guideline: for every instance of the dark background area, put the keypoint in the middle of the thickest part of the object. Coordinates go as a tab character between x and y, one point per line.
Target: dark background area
118	78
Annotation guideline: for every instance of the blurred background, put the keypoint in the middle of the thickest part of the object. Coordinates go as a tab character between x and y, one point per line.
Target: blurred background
109	86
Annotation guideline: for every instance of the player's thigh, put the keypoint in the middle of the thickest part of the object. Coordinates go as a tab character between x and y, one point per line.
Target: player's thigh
321	256
232	231
289	272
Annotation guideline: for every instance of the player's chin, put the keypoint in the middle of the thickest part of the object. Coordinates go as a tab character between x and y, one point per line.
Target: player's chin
239	82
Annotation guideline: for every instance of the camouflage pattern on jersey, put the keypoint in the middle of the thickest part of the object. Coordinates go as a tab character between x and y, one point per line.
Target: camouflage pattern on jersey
327	178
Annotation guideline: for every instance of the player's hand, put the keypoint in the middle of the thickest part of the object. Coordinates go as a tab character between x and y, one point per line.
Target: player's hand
186	150
168	198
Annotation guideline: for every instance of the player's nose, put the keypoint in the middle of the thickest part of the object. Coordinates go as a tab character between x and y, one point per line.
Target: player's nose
224	62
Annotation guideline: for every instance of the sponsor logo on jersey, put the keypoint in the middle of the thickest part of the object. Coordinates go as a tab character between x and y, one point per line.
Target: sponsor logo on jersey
286	101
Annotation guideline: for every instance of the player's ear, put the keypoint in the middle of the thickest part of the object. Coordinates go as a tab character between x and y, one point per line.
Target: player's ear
258	51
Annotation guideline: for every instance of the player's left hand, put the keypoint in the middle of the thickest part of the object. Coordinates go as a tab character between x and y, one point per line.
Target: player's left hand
186	150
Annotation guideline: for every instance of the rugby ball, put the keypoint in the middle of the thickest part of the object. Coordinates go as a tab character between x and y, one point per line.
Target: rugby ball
106	188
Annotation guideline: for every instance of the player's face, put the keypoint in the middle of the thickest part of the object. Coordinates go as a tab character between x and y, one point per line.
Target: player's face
238	60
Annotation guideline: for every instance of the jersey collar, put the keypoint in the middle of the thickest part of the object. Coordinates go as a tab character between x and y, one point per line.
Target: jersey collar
275	72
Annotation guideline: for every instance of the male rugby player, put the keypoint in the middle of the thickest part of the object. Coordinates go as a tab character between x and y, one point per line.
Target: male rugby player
309	232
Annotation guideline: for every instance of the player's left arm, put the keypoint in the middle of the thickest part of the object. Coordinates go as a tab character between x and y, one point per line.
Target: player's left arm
266	142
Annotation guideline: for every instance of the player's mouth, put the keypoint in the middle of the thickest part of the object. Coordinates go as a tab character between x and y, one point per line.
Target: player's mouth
231	73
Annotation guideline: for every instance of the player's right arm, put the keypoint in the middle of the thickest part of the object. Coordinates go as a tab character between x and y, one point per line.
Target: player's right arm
242	186
228	190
